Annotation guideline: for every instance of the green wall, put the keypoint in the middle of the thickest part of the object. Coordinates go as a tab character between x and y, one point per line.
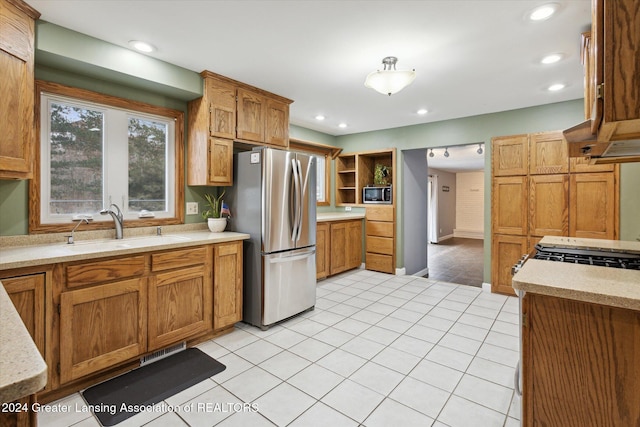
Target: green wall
481	129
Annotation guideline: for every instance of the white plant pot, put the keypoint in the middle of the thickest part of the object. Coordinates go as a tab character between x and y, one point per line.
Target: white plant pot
217	225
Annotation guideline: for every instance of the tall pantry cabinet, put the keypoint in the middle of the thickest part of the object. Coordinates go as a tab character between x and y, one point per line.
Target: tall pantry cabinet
537	191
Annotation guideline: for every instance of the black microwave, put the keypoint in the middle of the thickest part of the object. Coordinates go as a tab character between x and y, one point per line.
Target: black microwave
377	195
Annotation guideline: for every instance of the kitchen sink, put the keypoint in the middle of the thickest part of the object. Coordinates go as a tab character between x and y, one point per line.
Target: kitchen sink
126	243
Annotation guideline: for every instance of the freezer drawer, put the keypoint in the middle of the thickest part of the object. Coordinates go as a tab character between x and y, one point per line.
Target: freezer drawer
289	284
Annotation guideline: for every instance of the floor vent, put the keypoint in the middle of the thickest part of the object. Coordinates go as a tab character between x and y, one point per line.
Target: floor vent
162	353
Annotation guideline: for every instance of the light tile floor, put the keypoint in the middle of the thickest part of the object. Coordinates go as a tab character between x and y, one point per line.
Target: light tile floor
377	351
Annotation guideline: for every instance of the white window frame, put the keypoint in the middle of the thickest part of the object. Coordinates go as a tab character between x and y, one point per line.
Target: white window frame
115	149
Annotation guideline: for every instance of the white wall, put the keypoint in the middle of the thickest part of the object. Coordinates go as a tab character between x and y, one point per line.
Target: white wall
469	205
446	203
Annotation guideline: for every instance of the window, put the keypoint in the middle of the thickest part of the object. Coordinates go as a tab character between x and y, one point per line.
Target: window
96	150
324	154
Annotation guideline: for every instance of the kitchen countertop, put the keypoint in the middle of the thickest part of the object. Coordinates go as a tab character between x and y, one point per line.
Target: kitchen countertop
22	369
614	287
338	216
51	253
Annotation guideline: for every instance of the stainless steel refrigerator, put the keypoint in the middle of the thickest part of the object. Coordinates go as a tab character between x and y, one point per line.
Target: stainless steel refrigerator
274	200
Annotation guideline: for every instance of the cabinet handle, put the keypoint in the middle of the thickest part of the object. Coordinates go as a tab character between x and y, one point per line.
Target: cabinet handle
516	380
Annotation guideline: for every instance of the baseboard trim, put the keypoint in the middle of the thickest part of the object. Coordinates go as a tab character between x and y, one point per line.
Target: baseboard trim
421	273
486	287
469	234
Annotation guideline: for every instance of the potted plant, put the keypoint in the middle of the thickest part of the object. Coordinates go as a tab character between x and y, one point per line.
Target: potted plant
212	214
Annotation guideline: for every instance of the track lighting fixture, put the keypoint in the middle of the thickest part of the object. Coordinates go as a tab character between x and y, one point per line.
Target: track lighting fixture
446	152
479	150
431	152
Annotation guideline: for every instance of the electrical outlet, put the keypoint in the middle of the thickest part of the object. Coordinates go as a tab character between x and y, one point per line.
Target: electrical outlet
192	208
347	208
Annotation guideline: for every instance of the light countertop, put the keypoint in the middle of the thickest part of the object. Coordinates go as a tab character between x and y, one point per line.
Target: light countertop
51	253
22	369
338	216
615	287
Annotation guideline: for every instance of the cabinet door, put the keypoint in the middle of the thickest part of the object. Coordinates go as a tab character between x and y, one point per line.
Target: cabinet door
222	108
579	363
27	295
227	284
510	155
548	153
16	92
338	247
322	250
581	164
593	206
354	244
101	326
220	162
548	203
277	123
509	205
505	252
251	116
180	305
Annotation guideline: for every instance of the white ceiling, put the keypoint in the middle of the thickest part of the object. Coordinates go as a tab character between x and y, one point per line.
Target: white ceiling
471	57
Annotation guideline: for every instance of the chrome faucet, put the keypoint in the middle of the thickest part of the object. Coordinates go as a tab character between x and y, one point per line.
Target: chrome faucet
117	218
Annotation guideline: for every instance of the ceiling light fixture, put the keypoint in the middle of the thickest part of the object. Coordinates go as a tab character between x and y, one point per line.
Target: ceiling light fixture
422	111
556	87
543	12
141	46
446	152
479	150
389	80
551	59
320	117
431	152
342	125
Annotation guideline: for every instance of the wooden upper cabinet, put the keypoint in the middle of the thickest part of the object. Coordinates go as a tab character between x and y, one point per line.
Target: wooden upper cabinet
251	116
17	130
509	205
221	162
548	153
593	206
549	205
510	155
277	123
222	108
582	164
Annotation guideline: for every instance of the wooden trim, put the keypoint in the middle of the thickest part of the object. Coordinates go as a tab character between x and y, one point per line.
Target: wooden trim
317	147
36	227
24	7
211	75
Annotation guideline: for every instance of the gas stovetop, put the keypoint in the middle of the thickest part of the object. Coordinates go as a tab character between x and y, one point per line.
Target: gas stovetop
601	258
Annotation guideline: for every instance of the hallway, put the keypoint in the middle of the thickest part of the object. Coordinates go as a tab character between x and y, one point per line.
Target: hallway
457	260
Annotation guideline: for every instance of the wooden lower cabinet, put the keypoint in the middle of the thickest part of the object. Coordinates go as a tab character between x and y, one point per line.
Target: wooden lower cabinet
322	250
180	305
579	363
346	245
506	250
101	326
227	284
27	293
379	240
338	247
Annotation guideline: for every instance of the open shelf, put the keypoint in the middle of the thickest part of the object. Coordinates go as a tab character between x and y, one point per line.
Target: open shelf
355	171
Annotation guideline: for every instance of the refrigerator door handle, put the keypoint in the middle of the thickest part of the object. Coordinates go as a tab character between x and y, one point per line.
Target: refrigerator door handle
296	201
292	258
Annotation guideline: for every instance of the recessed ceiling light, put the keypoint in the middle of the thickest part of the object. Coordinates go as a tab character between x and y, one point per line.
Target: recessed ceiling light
319	117
342	125
141	46
556	87
551	59
422	111
543	12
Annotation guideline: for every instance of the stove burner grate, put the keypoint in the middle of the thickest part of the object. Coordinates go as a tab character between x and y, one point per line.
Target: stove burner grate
589	257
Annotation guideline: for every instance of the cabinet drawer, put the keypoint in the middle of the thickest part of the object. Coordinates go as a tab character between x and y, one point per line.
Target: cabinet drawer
380	245
179	258
382	229
379	213
377	262
104	271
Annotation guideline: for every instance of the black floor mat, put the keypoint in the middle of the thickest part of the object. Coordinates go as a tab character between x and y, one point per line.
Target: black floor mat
122	397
